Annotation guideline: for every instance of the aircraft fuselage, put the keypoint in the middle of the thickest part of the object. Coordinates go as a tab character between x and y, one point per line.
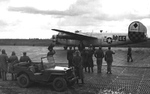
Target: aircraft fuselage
105	39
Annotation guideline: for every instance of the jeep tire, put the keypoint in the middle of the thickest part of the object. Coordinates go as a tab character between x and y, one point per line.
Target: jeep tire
23	80
59	84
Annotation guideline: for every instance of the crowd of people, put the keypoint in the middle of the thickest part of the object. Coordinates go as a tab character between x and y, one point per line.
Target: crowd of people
7	63
82	60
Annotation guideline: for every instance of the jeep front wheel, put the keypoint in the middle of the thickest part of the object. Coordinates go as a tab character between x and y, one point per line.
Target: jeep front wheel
23	80
59	84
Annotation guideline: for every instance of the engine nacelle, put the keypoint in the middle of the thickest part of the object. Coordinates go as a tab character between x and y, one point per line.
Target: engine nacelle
137	32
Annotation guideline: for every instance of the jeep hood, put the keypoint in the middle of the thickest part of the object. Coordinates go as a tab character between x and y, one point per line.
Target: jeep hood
59	68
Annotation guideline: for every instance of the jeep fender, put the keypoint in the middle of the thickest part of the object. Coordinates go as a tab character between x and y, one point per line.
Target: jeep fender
54	75
22	72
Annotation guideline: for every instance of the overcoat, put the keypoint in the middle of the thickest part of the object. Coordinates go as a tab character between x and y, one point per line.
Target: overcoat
77	62
4	62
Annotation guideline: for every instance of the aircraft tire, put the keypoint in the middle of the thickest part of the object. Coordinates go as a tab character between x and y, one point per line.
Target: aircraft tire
65	48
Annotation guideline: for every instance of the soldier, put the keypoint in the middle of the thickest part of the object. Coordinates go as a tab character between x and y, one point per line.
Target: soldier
81	46
51	46
70	57
77	62
25	58
99	54
109	59
12	60
84	55
3	64
90	60
50	58
129	54
51	52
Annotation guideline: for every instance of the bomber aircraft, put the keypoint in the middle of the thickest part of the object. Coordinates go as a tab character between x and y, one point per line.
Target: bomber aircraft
137	32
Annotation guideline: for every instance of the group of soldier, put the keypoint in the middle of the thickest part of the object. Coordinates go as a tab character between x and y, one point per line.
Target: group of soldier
85	59
7	63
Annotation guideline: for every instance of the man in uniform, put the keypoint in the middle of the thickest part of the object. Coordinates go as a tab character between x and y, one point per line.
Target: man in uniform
13	59
99	54
84	55
90	64
129	54
3	64
70	56
109	59
77	62
81	46
51	46
25	58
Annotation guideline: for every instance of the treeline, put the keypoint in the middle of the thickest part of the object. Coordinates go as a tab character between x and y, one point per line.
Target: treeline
26	42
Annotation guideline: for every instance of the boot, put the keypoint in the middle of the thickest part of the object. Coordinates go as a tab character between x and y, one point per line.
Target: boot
92	69
85	69
82	81
77	81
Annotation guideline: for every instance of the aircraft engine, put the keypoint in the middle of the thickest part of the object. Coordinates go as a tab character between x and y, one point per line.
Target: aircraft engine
137	32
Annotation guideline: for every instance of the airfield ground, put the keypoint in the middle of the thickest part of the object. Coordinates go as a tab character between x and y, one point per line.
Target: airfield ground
126	77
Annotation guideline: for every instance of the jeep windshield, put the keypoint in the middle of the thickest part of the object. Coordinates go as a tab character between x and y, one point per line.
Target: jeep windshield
49	63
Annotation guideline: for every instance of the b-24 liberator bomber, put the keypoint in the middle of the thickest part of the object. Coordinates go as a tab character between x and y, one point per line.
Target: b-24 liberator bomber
137	32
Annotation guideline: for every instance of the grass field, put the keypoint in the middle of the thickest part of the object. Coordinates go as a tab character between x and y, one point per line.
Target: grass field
26	42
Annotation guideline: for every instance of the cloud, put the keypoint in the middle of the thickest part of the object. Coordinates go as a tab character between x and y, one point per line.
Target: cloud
3	24
4	0
129	16
81	7
97	9
87	14
44	12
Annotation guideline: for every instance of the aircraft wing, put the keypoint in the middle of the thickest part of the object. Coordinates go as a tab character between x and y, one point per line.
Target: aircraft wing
70	35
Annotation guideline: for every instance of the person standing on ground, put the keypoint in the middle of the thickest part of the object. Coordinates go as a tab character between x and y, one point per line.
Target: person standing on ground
99	54
84	58
70	57
13	59
109	59
90	60
77	62
81	46
129	54
3	65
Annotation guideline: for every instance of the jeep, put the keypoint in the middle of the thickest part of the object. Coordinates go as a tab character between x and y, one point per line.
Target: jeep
41	72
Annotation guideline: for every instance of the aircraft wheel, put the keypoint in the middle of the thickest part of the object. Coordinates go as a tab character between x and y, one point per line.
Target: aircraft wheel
94	48
23	80
65	48
59	84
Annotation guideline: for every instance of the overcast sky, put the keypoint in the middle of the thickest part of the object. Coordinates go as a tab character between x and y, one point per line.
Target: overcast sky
36	18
